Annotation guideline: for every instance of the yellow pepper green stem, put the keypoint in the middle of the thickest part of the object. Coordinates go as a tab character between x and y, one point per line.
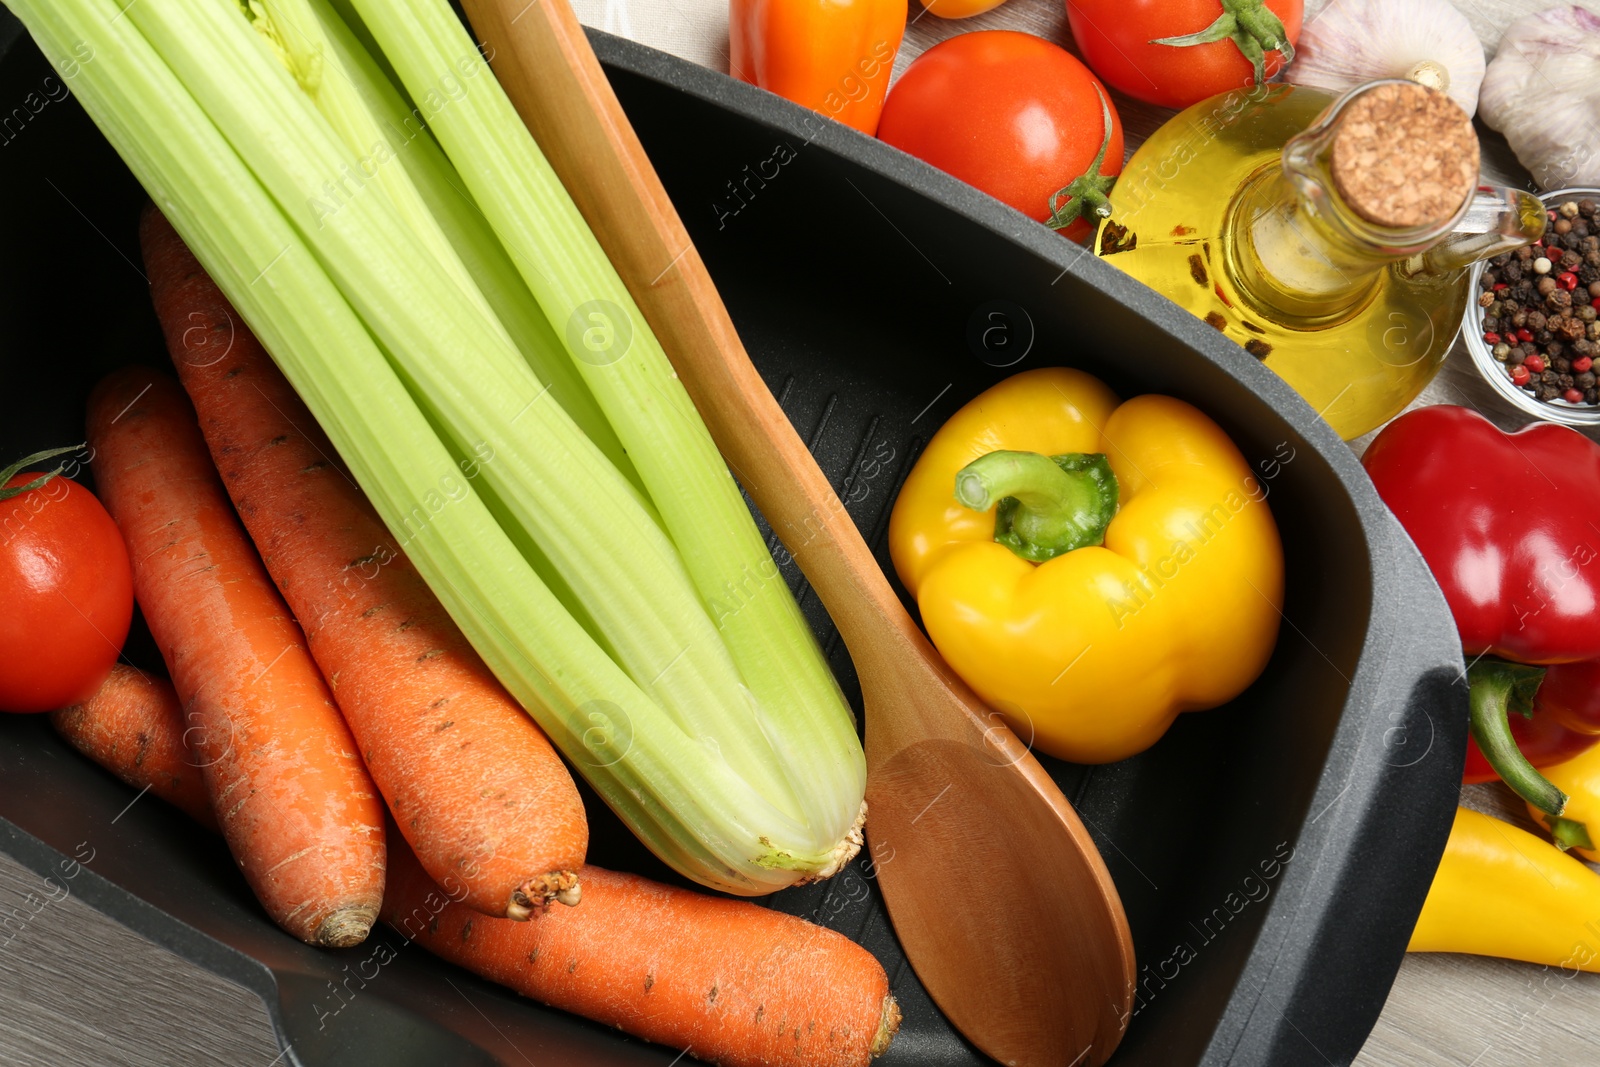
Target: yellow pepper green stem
1090	655
1499	688
1044	505
1568	833
1501	891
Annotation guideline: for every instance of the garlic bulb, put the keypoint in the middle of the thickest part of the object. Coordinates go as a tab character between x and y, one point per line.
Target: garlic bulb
1356	41
1543	93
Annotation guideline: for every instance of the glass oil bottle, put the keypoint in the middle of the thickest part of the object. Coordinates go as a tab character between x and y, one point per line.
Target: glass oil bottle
1328	237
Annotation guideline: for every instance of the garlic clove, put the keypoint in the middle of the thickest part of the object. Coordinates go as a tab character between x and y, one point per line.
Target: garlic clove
1543	92
1356	41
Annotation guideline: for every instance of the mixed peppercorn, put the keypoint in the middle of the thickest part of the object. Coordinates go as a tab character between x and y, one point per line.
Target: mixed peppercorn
1540	305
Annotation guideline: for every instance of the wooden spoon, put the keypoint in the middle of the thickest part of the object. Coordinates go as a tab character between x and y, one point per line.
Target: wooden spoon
999	896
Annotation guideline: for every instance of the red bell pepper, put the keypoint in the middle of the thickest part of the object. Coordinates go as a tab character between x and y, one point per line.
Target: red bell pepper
1565	721
1510	526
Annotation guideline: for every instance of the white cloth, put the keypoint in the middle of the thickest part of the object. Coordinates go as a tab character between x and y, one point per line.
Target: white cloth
696	30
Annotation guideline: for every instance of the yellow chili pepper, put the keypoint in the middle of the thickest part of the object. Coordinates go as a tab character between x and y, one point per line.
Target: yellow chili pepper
1501	891
1090	636
1579	779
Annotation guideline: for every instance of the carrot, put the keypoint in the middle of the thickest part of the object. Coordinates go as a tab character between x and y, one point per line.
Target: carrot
133	727
477	789
293	800
727	981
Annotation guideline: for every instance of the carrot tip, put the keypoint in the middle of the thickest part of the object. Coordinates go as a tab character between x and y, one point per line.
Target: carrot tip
535	895
888	1026
347	927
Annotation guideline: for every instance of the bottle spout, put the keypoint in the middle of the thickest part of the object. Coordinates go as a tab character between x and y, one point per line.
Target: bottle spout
1389	169
1497	220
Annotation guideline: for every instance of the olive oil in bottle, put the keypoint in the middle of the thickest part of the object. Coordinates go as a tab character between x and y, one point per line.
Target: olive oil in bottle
1327	236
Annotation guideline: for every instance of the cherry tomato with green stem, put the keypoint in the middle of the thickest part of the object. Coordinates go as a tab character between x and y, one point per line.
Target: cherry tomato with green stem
1178	52
66	591
1016	116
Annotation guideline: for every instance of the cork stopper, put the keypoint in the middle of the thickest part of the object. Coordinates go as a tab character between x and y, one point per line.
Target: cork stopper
1405	156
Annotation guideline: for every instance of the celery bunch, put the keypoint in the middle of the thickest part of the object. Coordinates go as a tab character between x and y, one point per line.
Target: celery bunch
392	233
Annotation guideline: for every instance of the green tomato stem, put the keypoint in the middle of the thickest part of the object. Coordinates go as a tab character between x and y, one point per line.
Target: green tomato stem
1251	26
28	461
1086	194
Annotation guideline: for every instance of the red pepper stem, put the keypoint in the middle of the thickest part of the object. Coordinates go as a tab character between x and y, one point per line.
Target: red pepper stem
1498	688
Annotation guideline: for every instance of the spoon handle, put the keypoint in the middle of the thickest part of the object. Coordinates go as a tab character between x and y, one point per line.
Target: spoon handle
1025	988
544	61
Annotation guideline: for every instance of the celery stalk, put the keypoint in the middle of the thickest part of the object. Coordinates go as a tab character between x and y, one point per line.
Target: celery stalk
354	310
372	121
291	31
403	130
691	811
636	387
574	504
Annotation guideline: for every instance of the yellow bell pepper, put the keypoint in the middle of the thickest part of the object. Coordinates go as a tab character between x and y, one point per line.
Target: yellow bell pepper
1501	891
1089	636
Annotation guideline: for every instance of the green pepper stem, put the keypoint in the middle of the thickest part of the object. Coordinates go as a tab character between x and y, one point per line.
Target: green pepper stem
1498	688
1568	833
1044	505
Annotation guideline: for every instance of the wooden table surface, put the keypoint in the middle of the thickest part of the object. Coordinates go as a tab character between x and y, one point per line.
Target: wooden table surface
78	988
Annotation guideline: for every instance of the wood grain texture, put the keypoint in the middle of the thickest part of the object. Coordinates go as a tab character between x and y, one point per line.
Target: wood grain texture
80	989
1000	974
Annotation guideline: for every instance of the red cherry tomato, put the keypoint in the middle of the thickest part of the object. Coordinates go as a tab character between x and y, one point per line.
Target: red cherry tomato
1116	38
1008	112
67	595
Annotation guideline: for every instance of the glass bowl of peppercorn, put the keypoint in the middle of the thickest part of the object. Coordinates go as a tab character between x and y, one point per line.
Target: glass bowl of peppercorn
1534	326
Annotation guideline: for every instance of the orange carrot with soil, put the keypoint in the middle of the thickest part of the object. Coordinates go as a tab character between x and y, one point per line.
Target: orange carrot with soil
733	983
298	810
474	784
133	727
